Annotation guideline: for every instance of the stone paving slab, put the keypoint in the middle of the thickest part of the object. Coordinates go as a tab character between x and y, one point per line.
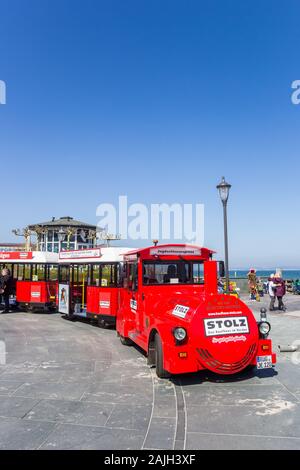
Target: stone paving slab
16	407
7	387
52	390
165	408
76	412
201	441
238	395
130	416
161	434
22	434
275	419
67	437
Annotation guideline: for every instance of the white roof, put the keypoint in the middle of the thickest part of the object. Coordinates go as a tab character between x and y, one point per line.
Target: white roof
28	257
95	255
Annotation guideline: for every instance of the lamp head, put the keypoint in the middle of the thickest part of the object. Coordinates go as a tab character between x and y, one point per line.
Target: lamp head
223	189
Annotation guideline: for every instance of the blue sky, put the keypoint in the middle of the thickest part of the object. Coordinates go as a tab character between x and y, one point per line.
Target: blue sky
155	99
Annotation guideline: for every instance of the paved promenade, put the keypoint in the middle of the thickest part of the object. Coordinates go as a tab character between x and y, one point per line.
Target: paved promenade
70	385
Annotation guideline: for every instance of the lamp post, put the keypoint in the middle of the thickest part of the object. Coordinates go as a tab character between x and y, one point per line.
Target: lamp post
223	189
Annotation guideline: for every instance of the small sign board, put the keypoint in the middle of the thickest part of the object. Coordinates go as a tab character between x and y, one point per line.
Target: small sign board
64	298
175	251
78	254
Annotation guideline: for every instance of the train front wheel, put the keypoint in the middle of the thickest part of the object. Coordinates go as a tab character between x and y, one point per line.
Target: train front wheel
159	359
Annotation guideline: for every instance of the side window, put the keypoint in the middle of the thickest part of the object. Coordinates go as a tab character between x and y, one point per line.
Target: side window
64	273
121	274
52	272
74	274
95	275
108	275
15	271
132	274
198	273
38	272
82	274
21	272
27	272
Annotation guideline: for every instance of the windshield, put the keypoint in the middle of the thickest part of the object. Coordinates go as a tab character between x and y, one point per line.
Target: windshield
173	272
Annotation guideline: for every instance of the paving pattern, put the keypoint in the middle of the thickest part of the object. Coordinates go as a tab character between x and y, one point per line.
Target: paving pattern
71	385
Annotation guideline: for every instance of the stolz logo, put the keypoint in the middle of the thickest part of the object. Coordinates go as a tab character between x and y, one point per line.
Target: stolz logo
180	311
226	326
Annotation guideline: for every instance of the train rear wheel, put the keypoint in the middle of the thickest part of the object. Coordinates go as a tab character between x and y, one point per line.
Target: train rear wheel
159	359
103	324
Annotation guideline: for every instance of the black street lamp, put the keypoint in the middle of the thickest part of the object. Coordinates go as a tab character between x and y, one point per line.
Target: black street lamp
223	189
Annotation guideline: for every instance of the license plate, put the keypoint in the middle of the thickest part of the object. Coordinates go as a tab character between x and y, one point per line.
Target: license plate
264	362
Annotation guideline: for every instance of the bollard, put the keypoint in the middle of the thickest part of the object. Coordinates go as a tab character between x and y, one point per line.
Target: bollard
287	348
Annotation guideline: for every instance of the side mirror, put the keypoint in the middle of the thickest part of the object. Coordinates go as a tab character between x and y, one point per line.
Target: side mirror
221	269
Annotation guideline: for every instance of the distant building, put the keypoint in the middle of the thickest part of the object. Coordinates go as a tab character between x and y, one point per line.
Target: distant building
13	247
64	233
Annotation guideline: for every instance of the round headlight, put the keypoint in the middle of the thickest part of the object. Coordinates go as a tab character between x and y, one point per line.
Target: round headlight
264	328
179	334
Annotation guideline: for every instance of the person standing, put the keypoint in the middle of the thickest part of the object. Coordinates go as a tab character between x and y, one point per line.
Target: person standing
6	288
280	290
252	283
272	290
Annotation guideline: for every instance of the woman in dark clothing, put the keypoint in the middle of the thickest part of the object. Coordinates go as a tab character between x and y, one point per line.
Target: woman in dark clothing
280	290
6	288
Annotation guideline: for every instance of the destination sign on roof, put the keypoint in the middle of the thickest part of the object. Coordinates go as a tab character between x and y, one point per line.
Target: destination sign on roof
78	254
175	251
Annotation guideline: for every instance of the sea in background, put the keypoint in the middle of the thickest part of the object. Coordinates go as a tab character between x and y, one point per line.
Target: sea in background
286	273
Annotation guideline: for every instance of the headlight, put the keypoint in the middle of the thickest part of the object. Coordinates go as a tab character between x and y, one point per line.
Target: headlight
264	328
179	334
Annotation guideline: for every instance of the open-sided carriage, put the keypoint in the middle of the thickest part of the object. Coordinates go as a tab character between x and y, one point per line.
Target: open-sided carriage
35	279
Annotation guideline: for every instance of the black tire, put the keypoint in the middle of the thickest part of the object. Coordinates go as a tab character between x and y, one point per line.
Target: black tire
125	341
160	371
103	324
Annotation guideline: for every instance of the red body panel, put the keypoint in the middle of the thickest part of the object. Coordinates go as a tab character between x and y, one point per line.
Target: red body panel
37	292
103	301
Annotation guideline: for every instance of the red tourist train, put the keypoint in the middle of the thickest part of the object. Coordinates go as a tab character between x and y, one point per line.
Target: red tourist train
170	307
163	298
35	276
